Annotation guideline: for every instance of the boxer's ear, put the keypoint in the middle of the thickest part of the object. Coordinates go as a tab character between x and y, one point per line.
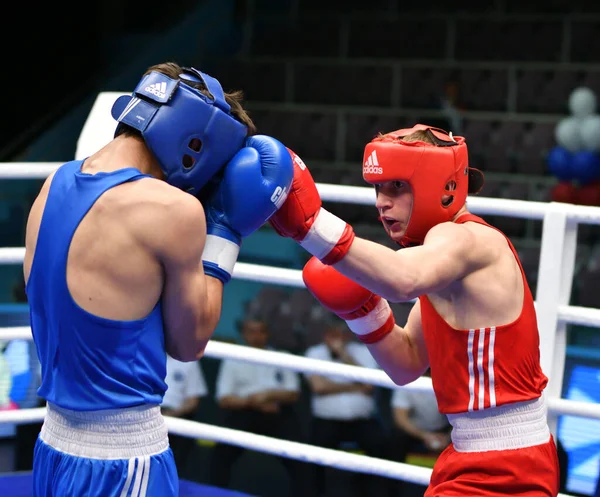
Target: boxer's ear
476	181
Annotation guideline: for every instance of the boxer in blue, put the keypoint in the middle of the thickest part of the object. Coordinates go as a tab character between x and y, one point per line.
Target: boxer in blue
124	263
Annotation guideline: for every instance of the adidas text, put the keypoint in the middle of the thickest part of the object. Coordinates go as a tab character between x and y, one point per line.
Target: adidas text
372	170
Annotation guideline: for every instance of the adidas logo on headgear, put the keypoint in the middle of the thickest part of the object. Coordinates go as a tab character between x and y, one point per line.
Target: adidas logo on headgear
158	89
371	165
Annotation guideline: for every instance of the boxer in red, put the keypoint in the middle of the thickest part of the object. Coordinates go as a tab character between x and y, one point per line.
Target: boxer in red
474	322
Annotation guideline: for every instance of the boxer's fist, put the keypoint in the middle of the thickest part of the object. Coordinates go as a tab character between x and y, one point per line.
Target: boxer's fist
255	183
368	315
297	214
302	218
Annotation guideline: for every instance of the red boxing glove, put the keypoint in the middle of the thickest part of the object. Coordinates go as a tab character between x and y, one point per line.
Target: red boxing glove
368	315
302	218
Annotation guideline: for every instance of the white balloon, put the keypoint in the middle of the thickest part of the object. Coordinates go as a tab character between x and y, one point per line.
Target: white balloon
567	134
590	133
582	102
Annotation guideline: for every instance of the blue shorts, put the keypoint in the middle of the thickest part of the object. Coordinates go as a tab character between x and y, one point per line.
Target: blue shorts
56	474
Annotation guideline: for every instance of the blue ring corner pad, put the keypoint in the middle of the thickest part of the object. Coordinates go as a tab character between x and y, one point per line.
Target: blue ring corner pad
19	485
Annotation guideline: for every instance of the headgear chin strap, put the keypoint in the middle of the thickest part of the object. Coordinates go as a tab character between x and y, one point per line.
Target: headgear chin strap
432	171
191	135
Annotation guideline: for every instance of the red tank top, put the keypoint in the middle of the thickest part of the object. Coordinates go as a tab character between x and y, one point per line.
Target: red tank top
487	367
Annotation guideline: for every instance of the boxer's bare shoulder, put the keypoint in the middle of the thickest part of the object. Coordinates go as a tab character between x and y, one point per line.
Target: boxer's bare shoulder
149	199
156	213
470	238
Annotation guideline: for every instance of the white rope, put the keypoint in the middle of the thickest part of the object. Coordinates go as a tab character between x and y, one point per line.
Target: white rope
364	195
264	274
27	170
284	360
306	365
585	316
23	416
12	255
302	452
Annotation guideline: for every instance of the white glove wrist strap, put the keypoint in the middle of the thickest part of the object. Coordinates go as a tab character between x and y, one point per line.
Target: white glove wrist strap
221	252
372	321
324	234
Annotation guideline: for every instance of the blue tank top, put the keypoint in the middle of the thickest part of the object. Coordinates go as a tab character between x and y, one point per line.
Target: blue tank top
88	362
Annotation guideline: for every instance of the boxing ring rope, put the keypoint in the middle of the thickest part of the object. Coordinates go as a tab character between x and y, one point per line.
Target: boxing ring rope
558	247
524	209
305	365
584	316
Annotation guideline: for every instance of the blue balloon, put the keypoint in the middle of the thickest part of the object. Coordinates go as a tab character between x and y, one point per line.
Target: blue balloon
559	161
586	166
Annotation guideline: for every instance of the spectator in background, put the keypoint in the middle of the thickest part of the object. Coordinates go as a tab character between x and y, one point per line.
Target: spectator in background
343	410
418	424
185	387
259	399
452	108
6	404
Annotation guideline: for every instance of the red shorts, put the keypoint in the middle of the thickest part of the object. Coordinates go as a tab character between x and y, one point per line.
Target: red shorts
529	472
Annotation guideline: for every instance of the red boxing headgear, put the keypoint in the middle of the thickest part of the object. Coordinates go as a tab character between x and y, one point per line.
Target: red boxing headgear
432	171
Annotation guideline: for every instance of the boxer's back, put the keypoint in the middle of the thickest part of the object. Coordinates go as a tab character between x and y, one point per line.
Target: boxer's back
94	286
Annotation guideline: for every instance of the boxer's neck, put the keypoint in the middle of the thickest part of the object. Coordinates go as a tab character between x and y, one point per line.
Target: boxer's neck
122	152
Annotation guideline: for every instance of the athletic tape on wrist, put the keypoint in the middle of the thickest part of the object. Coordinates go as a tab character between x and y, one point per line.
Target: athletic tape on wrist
324	234
221	252
377	323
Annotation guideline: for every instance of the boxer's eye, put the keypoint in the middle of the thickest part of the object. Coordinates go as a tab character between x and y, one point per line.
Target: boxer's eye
399	184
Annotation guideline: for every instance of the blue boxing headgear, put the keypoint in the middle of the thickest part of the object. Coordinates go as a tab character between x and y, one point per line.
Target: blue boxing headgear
191	135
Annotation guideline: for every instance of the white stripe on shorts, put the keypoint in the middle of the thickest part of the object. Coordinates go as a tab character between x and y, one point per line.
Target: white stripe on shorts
130	471
138	467
145	477
141	462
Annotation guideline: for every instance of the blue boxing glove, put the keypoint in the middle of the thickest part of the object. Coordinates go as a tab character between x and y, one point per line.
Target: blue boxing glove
255	182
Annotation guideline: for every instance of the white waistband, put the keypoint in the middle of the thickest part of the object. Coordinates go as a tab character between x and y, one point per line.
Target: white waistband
512	426
108	434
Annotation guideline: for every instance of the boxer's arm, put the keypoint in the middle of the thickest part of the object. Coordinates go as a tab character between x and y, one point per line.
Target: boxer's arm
191	300
402	354
447	255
